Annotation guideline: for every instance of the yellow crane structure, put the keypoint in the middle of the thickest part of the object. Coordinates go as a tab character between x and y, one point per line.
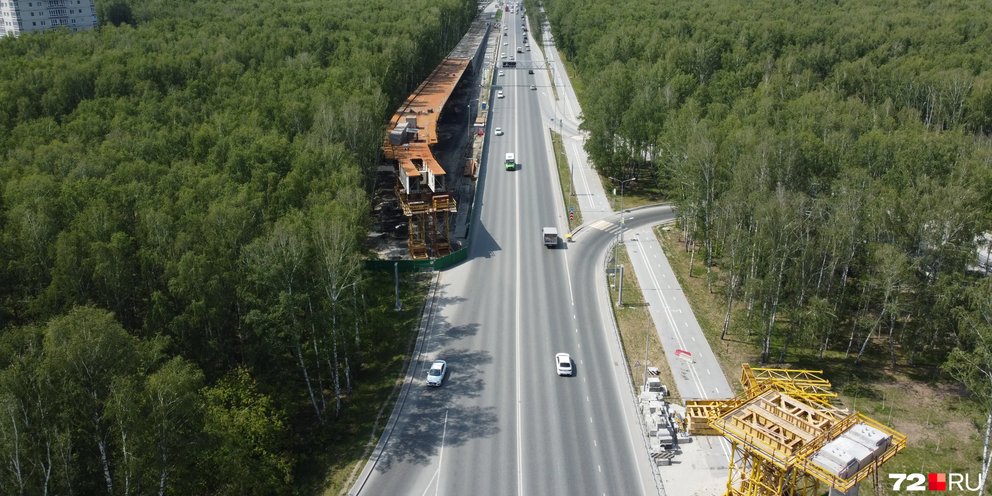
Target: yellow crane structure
789	436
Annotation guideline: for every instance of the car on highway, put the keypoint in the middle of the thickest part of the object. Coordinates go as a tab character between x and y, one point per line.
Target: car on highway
498	131
563	364
435	375
529	71
501	73
499	94
533	87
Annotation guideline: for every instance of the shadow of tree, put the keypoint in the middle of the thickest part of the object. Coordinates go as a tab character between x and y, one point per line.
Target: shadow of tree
417	436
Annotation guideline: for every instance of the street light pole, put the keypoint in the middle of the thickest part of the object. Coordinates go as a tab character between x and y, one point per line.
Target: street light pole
616	246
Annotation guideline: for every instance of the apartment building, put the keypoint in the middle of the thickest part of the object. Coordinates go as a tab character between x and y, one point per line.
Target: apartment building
26	16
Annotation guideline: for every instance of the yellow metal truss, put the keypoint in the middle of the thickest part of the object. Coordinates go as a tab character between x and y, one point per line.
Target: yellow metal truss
776	425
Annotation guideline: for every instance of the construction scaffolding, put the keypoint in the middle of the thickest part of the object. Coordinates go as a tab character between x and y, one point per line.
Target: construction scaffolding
421	182
789	436
421	187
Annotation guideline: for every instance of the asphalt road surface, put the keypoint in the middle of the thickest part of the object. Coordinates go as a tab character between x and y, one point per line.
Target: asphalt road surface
504	423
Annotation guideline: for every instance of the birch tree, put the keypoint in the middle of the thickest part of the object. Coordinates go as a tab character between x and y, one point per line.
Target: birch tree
971	363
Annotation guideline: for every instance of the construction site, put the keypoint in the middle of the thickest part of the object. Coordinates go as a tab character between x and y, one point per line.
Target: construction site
788	435
432	148
786	430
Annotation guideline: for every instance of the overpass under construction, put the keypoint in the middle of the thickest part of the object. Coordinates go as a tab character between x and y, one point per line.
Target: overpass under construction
422	186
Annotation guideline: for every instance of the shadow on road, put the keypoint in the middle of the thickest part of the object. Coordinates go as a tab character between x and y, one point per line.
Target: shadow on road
483	244
417	437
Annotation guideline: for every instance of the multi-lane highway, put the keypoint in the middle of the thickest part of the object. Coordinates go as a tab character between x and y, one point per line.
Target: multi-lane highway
504	423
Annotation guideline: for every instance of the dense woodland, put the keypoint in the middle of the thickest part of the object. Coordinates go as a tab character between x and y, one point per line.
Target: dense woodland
183	198
830	162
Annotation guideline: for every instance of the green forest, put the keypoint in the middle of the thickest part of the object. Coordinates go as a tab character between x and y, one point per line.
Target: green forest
184	194
830	163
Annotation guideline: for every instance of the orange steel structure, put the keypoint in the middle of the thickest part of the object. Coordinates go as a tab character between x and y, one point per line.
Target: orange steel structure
421	185
789	437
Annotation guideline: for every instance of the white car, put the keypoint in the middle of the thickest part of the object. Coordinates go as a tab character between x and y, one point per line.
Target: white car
500	73
498	131
533	87
435	376
499	94
563	364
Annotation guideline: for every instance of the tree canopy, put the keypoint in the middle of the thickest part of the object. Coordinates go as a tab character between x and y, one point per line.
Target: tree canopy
830	160
183	198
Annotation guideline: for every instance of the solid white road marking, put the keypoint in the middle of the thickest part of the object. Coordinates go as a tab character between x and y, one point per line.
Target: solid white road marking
516	330
440	457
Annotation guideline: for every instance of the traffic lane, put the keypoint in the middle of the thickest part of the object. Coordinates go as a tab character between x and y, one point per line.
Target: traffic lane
600	464
545	434
550	459
410	457
621	438
558	443
461	471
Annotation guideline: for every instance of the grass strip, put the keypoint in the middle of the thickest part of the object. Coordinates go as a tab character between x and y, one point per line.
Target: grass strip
566	183
638	333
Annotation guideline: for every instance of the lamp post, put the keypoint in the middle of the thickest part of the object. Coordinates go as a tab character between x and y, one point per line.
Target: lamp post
622	183
616	246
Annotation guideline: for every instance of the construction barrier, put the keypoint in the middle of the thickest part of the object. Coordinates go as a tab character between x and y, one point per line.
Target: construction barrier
440	263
